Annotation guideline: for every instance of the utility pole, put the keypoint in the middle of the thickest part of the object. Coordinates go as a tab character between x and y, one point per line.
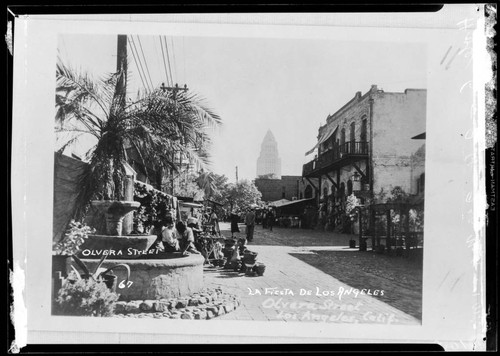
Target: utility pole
121	89
121	66
174	89
236	174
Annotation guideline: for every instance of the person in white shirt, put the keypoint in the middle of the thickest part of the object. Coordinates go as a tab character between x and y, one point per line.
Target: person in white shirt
167	237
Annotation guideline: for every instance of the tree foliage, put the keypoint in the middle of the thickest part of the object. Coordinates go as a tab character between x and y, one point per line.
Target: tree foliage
156	125
242	195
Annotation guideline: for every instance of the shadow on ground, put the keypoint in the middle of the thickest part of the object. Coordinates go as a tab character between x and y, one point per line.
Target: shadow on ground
400	278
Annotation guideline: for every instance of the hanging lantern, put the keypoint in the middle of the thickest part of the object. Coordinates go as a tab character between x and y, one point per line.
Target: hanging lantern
356	179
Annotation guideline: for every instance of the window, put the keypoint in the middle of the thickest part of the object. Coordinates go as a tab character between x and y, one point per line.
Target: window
283	192
363	130
342	140
421	184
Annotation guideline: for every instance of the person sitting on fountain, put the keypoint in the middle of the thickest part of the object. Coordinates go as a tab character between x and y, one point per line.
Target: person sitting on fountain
166	241
186	238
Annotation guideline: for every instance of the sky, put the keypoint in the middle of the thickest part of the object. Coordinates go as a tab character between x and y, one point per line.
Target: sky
288	86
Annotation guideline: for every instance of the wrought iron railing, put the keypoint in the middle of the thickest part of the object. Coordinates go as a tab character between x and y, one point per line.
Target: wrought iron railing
335	154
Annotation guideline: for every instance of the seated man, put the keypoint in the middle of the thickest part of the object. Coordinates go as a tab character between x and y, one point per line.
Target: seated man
166	240
185	237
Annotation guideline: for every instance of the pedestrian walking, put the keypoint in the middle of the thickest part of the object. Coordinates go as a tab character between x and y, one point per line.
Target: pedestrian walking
234	223
250	224
270	219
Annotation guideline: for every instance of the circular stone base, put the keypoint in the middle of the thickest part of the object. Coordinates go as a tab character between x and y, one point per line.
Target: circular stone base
116	247
207	304
156	278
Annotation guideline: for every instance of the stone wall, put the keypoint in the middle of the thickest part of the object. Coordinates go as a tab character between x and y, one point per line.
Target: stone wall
397	117
66	173
273	189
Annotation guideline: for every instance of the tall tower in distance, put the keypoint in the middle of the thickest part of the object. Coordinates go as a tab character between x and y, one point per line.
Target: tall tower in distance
269	163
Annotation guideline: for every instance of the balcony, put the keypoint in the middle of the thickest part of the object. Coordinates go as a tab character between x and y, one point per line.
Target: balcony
339	156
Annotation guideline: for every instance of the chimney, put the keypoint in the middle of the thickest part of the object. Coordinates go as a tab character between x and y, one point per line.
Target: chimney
374	88
358	95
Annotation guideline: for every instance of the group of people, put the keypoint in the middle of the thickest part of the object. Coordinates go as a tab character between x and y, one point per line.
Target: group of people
268	219
174	236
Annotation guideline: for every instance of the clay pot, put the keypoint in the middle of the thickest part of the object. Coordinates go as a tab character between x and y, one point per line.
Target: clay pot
259	268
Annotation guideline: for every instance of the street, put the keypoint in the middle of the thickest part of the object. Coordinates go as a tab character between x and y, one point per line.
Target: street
314	276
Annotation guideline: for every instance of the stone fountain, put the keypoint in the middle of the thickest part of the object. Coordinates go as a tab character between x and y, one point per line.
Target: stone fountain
152	275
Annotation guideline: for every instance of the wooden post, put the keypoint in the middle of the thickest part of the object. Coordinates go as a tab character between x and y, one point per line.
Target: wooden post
373	227
407	229
362	243
389	225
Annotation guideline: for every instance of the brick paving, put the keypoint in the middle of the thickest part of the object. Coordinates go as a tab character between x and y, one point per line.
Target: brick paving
292	289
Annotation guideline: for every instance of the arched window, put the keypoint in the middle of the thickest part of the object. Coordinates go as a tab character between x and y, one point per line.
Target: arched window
352	138
342	190
363	135
342	140
325	192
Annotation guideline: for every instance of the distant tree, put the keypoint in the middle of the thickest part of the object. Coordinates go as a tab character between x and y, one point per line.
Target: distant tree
268	176
242	195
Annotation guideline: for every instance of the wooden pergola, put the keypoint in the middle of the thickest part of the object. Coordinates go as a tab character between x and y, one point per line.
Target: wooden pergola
403	239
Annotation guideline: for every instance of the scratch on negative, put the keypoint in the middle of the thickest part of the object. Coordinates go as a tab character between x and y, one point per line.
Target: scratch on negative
446	55
444	278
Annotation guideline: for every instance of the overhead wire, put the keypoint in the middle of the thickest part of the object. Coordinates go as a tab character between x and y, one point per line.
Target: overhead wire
137	62
145	61
164	63
168	59
173	57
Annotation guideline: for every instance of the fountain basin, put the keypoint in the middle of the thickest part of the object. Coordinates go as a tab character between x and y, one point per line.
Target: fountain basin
157	278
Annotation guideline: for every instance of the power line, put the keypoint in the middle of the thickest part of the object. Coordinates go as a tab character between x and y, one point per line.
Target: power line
140	67
137	63
145	62
173	57
164	63
168	59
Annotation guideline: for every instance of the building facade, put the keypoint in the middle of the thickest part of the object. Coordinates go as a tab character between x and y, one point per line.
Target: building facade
269	162
288	187
366	148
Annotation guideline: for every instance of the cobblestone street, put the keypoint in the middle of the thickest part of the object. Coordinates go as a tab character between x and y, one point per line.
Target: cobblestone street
315	276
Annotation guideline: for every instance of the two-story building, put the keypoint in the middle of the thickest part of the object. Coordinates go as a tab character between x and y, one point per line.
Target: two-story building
366	147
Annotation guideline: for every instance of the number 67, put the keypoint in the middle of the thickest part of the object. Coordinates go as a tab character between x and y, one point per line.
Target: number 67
123	285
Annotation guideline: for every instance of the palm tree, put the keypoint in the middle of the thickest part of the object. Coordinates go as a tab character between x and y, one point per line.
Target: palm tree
157	126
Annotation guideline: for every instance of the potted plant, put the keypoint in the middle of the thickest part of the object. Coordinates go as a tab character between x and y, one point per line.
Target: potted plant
69	245
153	129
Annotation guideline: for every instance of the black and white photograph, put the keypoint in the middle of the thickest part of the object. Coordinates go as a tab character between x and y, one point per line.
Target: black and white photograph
250	182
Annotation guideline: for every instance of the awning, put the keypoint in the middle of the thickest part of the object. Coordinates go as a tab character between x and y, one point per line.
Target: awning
295	202
190	205
419	137
279	202
327	133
